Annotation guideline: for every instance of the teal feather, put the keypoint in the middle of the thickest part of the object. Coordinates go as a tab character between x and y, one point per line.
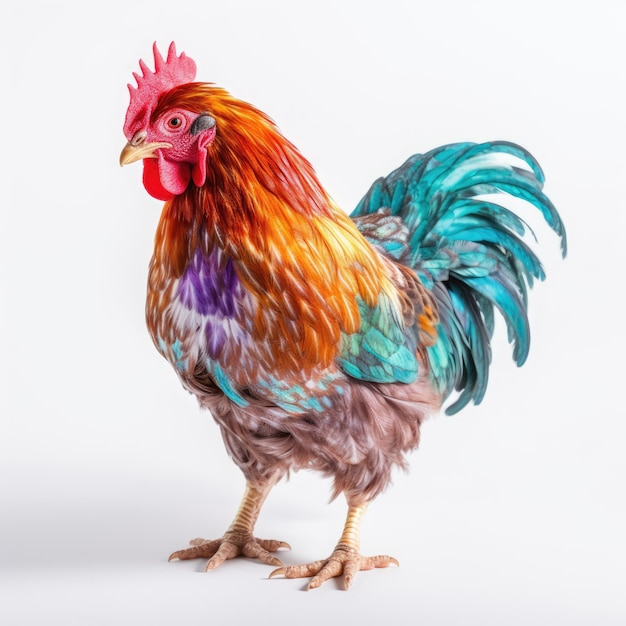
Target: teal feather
224	383
381	350
467	248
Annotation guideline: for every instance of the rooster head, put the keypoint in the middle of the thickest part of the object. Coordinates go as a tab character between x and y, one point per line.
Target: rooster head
172	141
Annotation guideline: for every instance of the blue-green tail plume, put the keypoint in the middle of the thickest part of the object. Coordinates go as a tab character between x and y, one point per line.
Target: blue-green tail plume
468	249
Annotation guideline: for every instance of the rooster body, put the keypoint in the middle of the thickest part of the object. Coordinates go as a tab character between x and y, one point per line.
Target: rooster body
318	340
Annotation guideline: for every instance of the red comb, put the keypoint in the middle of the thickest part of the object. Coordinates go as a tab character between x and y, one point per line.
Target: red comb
168	73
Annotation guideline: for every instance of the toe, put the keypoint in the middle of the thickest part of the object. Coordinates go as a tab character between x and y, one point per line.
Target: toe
332	569
225	552
350	570
201	550
299	571
255	550
272	545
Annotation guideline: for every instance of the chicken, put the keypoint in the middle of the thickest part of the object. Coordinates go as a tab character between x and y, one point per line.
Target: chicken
319	340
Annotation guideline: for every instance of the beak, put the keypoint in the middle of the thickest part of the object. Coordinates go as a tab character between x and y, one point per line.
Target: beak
135	152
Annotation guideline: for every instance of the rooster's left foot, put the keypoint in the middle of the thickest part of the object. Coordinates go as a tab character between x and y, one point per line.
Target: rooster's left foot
231	545
344	560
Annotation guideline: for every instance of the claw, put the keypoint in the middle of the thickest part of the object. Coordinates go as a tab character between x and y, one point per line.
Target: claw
273	560
281	571
212	564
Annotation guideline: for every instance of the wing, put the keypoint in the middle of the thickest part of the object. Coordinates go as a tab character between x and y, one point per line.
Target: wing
401	324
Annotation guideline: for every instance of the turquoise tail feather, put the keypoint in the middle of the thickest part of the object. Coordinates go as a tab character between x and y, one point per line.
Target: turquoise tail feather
468	249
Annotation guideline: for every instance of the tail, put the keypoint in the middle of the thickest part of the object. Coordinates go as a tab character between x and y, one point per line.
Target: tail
468	249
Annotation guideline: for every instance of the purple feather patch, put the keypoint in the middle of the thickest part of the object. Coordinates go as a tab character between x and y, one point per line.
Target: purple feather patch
210	286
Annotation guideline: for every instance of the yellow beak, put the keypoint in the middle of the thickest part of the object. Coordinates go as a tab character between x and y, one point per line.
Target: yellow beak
132	153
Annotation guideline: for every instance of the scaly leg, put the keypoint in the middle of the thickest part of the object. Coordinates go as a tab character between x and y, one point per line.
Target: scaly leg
345	558
238	539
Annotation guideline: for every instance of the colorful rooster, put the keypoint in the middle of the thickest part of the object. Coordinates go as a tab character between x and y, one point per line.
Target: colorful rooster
316	339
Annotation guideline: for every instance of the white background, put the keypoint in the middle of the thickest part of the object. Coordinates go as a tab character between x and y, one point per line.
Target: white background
512	513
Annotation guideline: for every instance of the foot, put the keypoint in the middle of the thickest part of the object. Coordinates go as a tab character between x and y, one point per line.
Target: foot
344	560
231	545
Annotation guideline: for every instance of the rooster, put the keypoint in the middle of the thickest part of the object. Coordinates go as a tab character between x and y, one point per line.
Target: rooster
316	339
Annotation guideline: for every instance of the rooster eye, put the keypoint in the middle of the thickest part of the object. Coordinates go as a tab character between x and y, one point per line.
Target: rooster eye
174	122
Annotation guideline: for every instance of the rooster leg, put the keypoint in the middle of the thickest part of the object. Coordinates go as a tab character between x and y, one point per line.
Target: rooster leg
238	539
345	559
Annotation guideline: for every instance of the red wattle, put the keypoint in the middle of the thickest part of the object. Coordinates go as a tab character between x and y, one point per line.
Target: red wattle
152	181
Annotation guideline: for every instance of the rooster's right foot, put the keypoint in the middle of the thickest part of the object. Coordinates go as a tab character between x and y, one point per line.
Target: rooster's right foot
231	545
